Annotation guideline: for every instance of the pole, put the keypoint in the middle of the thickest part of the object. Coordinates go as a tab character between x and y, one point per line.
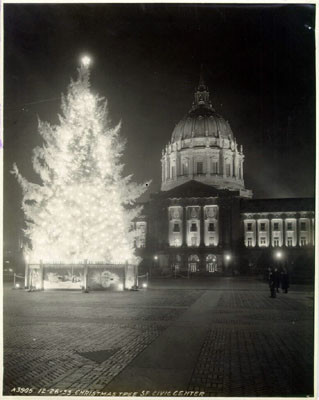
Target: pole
85	277
125	273
14	279
41	275
30	283
136	275
26	277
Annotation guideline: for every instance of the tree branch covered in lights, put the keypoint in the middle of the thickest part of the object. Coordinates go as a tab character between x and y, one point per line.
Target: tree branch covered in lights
84	207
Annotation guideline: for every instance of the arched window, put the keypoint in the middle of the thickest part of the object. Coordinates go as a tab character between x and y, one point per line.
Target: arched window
211	263
193	263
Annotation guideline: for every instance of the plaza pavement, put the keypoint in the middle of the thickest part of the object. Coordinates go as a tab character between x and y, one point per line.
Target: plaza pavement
222	337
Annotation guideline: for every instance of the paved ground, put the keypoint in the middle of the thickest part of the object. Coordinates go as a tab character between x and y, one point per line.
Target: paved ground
222	338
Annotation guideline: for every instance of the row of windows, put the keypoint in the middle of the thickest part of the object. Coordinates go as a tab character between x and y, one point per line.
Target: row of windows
194	242
199	170
194	227
262	226
276	242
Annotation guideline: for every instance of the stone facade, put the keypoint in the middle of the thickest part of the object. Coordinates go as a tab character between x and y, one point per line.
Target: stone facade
204	220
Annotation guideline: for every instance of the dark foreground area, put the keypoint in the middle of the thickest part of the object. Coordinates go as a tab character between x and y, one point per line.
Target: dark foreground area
223	337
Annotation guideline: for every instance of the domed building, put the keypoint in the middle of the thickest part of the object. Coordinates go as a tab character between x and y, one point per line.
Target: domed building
204	221
203	148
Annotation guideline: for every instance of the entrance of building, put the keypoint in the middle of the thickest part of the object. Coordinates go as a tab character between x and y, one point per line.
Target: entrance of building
211	263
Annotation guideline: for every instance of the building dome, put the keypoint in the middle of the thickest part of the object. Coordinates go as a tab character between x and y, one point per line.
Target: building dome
202	121
203	148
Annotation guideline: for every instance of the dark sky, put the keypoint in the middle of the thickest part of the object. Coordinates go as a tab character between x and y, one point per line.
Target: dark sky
258	63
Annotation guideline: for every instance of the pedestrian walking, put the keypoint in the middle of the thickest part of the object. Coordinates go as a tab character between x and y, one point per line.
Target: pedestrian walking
272	283
277	279
284	280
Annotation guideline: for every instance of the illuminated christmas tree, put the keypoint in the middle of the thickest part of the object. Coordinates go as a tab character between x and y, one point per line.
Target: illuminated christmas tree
84	208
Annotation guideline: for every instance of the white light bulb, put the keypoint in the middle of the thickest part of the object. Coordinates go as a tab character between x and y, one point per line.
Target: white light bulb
86	61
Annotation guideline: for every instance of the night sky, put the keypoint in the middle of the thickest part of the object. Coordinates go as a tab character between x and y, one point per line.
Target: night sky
258	64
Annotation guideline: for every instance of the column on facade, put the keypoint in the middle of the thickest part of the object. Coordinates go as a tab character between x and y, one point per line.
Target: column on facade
283	231
163	171
235	162
184	223
256	230
201	226
242	168
313	228
191	166
209	164
222	163
178	164
270	230
298	230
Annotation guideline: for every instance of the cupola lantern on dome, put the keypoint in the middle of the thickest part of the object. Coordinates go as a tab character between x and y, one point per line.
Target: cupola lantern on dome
203	148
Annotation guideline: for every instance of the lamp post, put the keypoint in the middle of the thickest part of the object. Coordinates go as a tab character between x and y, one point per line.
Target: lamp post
227	258
155	258
278	255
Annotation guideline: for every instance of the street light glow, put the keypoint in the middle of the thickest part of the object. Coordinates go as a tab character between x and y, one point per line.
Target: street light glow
155	257
278	254
227	257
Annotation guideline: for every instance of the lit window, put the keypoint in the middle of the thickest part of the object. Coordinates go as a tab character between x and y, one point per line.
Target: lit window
211	227
211	264
289	242
262	241
214	167
276	226
303	241
289	226
211	241
249	227
276	242
194	227
303	226
176	228
249	242
262	226
200	168
192	267
141	242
